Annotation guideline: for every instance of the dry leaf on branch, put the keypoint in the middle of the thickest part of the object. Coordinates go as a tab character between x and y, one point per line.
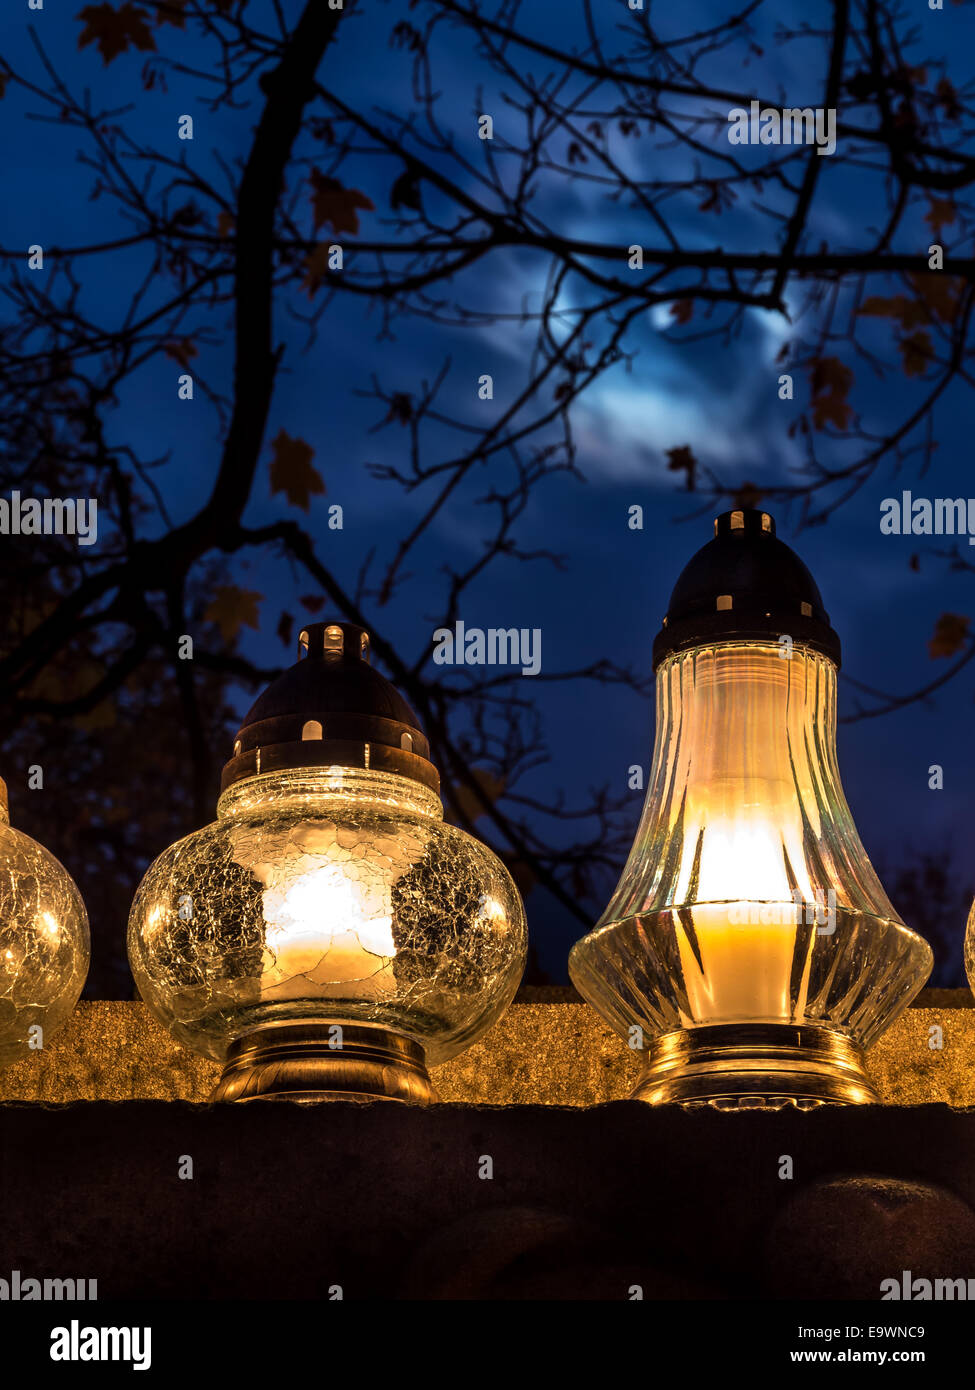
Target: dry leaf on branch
231	609
292	471
115	31
950	635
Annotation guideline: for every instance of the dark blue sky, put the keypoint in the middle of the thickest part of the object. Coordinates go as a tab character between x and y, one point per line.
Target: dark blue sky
719	399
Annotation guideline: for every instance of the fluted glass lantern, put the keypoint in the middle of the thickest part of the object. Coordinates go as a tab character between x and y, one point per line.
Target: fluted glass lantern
328	934
44	943
749	947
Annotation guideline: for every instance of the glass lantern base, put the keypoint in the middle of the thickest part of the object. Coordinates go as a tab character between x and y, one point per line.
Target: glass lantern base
325	1060
743	1066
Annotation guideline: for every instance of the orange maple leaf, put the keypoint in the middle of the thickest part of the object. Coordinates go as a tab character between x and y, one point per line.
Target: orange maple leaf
950	635
908	312
316	266
336	205
917	353
292	471
831	382
231	609
682	459
941	213
181	351
115	31
940	293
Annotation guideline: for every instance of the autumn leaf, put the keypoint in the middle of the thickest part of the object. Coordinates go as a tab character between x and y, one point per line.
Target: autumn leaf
470	803
947	98
405	192
226	223
917	353
181	351
335	205
575	153
285	628
292	471
747	496
937	298
682	310
312	603
189	215
832	375
950	635
914	564
400	408
405	36
908	312
71	682
322	129
831	381
831	410
172	12
941	213
717	198
115	31
231	609
940	293
680	460
861	86
103	716
316	265
4	77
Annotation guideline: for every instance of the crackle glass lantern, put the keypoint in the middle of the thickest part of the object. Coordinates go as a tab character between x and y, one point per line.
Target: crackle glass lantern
970	948
328	935
44	943
749	945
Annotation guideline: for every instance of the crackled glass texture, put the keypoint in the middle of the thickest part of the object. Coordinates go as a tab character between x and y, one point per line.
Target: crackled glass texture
747	895
970	948
44	944
328	894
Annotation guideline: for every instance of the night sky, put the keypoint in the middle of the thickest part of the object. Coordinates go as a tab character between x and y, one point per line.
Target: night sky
718	398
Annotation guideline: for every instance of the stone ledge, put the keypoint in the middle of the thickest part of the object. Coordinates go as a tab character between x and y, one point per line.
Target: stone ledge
181	1201
549	1049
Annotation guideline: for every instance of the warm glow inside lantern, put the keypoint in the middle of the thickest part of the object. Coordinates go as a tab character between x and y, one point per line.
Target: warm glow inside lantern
328	934
749	943
44	942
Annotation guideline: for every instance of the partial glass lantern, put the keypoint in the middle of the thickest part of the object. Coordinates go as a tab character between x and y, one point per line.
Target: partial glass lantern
970	948
749	946
328	936
44	943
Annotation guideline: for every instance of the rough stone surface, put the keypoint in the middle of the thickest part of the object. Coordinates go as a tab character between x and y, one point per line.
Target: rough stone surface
549	1049
855	1231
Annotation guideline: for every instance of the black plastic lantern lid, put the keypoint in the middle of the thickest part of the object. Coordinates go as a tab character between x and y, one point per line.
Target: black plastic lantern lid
331	709
745	585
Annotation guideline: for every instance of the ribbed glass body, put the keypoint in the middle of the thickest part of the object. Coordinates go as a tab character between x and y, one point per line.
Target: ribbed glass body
44	943
747	895
331	893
